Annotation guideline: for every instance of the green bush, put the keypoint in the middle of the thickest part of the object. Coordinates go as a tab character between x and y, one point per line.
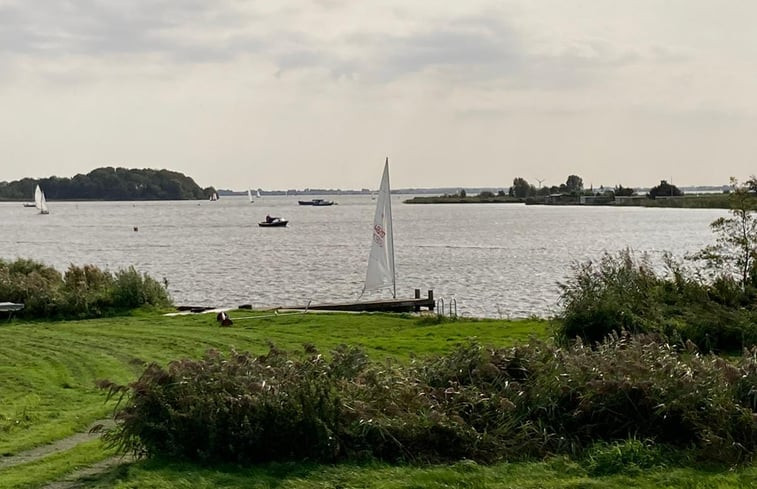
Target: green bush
618	293
622	293
82	292
627	456
476	403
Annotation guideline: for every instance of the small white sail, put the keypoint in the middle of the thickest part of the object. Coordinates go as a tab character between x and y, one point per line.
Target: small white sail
39	201
258	193
380	273
249	195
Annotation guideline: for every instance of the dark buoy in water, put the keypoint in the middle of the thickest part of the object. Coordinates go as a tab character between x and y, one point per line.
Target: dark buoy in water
136	229
224	319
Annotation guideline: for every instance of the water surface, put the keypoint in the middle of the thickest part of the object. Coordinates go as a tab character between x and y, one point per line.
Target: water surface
494	260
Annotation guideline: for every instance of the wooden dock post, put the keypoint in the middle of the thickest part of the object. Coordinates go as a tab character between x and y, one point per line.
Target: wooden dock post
417	296
431	300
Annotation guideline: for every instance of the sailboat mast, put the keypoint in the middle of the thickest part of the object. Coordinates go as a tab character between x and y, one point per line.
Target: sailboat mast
391	233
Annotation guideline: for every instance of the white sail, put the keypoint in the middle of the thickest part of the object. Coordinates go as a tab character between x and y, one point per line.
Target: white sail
249	195
258	193
380	273
39	201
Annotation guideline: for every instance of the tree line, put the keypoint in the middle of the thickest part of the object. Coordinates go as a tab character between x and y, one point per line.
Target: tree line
110	183
574	185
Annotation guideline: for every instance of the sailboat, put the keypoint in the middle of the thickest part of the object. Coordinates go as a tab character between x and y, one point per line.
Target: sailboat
213	196
39	201
258	193
381	273
249	195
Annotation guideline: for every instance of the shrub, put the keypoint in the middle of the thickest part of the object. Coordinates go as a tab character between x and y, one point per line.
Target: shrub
82	292
618	293
476	403
622	293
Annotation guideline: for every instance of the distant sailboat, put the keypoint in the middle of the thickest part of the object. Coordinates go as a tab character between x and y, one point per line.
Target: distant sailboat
213	197
249	195
258	193
40	202
381	273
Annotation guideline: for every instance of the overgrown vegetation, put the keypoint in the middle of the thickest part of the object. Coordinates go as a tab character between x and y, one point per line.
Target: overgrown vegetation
715	310
475	403
81	292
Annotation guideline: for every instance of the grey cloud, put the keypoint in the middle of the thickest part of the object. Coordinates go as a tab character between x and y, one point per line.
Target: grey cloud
483	48
99	28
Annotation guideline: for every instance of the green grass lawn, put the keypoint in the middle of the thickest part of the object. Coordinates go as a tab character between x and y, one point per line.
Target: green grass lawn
47	392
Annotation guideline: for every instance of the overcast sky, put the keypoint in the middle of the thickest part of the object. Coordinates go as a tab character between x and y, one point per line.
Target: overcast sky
296	94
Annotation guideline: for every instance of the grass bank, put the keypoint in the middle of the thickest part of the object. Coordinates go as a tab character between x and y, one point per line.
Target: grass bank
47	392
47	378
556	473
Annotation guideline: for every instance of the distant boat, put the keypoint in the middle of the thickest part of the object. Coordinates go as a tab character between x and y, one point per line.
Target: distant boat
40	202
30	204
249	195
273	222
381	274
316	202
258	193
213	197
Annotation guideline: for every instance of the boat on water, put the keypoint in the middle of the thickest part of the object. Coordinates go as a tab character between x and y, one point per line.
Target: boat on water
316	202
273	222
40	202
30	204
257	192
213	197
249	195
381	273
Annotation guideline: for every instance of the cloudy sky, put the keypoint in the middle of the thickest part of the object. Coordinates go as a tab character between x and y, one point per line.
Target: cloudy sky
300	94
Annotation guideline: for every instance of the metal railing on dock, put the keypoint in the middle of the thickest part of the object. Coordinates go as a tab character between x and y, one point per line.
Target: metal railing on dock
440	310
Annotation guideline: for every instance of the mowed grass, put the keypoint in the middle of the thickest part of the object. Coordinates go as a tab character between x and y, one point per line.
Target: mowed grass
49	369
556	473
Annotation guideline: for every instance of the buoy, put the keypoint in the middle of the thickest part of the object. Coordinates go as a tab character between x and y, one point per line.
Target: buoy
136	229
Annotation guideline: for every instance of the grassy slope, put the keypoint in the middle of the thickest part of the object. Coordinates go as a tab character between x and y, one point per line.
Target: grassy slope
47	378
47	392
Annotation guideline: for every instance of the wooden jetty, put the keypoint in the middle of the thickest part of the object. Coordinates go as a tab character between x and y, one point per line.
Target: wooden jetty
386	305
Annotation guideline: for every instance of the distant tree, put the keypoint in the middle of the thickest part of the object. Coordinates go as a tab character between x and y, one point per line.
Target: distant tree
664	189
521	188
485	194
751	184
574	184
622	191
462	193
501	193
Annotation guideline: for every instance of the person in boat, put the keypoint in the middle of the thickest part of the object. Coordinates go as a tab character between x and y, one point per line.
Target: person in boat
268	219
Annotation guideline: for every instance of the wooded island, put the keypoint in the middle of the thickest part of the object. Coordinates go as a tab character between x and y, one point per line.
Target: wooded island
110	183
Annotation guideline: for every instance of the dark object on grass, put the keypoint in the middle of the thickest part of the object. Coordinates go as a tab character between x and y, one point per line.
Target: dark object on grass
224	319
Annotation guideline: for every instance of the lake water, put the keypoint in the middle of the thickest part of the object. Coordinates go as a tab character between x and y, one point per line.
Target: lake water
493	260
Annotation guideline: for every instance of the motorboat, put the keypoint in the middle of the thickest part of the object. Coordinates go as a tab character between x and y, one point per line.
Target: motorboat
273	222
316	202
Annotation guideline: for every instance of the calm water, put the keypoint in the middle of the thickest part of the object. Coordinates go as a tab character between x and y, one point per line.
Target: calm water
494	260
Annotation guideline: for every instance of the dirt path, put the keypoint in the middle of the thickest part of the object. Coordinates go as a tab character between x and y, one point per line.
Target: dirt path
104	469
55	447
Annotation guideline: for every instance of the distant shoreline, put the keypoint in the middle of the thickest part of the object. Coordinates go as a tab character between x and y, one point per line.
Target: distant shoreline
688	201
